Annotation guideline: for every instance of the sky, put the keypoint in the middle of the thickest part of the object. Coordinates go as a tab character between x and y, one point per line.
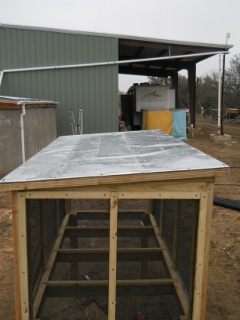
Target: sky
205	21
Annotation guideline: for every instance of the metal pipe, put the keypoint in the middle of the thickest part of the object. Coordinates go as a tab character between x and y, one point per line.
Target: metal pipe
20	102
80	121
219	95
1	76
222	94
227	203
223	80
22	132
98	64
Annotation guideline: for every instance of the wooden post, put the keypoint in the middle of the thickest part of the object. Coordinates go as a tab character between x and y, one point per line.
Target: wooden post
22	254
15	255
174	77
193	253
112	256
202	254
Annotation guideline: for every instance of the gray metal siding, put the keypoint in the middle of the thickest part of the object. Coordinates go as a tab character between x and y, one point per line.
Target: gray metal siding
95	89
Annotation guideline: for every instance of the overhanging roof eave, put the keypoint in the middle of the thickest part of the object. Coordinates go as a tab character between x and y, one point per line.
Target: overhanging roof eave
121	37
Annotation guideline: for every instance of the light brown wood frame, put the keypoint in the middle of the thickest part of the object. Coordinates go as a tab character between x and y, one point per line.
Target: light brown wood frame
201	189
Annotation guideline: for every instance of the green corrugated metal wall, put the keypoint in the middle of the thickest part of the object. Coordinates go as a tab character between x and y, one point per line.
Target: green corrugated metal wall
94	89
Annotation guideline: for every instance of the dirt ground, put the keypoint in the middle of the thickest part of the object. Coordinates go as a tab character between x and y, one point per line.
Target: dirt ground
223	298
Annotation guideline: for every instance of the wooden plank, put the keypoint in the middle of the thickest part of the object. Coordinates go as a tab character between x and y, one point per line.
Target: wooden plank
131	178
101	232
103	283
68	194
9	106
182	296
16	256
102	255
149	287
202	254
104	215
157	195
112	255
13	106
129	194
46	275
196	184
22	252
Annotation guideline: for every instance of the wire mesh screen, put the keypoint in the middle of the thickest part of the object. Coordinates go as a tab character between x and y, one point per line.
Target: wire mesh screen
177	221
44	218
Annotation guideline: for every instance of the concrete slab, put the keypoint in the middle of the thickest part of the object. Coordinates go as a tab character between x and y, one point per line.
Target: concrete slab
219	138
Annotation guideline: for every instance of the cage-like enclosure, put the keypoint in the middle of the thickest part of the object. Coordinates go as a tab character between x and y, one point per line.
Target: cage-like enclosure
115	219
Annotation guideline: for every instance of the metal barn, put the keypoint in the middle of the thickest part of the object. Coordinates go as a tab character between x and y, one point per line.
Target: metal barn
80	69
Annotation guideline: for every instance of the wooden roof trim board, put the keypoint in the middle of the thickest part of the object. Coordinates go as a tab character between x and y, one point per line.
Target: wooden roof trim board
93	181
15	103
11	106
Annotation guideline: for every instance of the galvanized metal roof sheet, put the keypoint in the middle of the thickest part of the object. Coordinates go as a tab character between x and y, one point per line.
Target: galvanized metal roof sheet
21	100
112	154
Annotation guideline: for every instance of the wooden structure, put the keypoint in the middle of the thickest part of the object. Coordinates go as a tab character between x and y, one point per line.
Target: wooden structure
148	177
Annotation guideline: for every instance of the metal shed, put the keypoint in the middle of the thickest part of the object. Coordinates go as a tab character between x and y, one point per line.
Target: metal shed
26	126
152	214
80	69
